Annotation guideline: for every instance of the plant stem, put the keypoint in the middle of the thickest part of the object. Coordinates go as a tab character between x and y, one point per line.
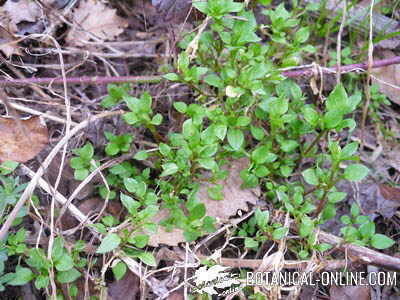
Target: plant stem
155	134
304	71
328	187
314	142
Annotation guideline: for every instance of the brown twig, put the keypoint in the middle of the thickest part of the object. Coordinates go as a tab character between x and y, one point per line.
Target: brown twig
305	71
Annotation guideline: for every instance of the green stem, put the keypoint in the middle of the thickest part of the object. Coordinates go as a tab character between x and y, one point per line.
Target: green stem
328	187
314	142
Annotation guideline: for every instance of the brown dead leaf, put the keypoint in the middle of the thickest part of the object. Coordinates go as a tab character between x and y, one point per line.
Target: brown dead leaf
388	78
380	199
22	10
16	145
93	18
8	43
390	193
359	292
172	238
127	288
234	198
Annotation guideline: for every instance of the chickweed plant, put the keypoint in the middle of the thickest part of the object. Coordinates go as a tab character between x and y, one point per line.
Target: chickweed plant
243	107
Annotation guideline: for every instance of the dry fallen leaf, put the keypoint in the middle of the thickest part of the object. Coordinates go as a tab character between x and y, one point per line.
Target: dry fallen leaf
16	145
22	10
381	199
93	18
359	292
8	43
127	288
234	198
388	78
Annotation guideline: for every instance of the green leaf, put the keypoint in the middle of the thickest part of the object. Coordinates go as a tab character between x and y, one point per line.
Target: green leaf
131	118
131	184
119	270
65	263
380	241
171	77
356	172
367	229
332	119
215	192
261	154
345	220
214	80
310	177
169	169
197	212
109	243
147	258
348	150
220	131
306	227
257	132
81	174
243	121
335	197
250	243
22	276
180	106
207	163
262	218
289	145
235	138
112	149
8	167
301	36
280	233
323	247
42	281
311	115
338	100
141	155
157	119
86	152
68	276
355	210
164	149
139	240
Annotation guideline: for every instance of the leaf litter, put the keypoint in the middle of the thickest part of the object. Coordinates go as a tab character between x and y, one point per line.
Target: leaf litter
94	20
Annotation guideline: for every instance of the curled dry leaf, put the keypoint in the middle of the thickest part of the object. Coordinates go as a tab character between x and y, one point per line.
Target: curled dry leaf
94	19
22	144
234	197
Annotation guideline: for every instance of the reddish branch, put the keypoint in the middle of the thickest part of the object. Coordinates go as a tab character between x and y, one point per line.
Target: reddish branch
309	71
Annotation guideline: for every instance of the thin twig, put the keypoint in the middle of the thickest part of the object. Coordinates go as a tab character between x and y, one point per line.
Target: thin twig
305	71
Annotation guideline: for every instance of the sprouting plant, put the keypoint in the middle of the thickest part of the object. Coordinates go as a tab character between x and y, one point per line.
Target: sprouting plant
82	164
117	144
360	230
